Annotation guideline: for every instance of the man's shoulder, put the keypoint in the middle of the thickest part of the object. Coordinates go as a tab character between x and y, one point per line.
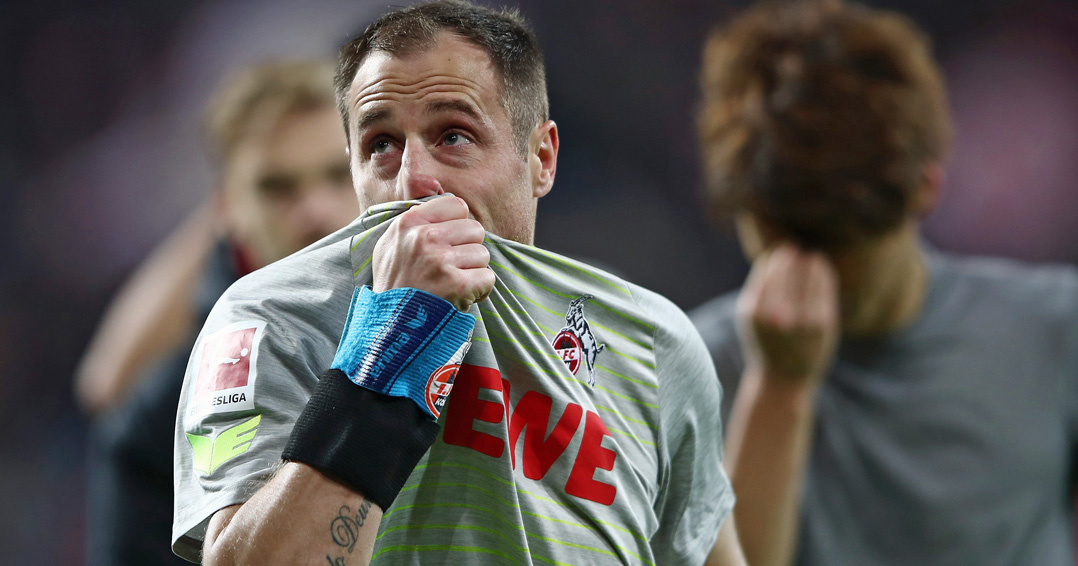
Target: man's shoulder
683	362
1040	290
659	307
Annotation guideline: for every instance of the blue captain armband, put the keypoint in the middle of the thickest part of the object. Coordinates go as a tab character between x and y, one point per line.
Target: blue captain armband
370	438
395	340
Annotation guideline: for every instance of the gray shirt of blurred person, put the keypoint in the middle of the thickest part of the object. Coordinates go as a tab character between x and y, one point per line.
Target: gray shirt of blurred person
895	405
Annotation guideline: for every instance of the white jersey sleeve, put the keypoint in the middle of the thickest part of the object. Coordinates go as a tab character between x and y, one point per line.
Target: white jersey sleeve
695	495
252	370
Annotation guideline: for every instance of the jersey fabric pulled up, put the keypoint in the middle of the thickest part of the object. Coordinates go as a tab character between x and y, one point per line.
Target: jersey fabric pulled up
583	425
950	441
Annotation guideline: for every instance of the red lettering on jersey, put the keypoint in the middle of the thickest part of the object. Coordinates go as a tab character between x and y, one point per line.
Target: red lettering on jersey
226	361
590	457
532	414
465	406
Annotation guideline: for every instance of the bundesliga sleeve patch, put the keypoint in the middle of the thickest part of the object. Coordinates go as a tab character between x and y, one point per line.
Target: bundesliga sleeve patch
224	375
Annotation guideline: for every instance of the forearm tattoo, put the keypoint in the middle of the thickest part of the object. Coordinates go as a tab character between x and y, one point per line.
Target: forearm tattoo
345	529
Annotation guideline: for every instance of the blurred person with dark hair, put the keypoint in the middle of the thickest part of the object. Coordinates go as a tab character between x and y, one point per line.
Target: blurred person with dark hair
437	288
274	138
896	404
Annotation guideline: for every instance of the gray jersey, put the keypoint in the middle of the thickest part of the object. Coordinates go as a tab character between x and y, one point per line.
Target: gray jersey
951	441
583	426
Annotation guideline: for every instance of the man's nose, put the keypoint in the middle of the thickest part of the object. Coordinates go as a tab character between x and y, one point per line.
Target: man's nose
416	177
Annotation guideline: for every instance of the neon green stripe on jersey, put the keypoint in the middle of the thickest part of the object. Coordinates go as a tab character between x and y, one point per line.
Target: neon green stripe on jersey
520	491
362	237
626	397
487	530
466	486
499	516
592	323
466	467
495	314
618	351
627	378
445	547
518	256
595	324
365	264
599	521
630	435
536	303
630	419
561	261
648	327
509	541
524	313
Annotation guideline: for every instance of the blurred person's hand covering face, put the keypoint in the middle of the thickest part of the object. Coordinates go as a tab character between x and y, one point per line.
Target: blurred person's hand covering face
432	122
288	185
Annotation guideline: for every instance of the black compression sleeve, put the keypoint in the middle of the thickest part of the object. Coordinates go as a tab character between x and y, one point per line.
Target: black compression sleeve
368	441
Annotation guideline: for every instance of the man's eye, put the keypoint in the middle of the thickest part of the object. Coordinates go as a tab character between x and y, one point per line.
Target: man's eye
277	187
381	146
455	138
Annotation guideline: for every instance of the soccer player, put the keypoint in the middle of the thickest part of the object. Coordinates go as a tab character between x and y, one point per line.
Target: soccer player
275	140
314	426
897	405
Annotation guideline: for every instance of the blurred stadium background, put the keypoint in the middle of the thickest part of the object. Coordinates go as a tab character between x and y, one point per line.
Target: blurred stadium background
99	159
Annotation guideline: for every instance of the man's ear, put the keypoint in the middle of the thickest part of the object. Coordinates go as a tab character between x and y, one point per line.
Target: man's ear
928	194
543	157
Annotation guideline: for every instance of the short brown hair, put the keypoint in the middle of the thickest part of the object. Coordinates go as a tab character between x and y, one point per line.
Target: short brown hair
258	96
819	117
504	35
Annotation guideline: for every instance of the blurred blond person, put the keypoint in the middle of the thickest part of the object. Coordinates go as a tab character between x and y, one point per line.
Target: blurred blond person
274	137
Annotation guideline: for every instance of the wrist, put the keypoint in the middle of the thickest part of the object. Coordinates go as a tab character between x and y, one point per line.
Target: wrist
795	395
367	441
372	416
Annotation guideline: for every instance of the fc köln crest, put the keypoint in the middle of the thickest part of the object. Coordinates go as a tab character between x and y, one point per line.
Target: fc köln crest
575	342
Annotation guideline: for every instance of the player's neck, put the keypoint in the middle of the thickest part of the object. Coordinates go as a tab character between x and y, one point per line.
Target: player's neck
883	283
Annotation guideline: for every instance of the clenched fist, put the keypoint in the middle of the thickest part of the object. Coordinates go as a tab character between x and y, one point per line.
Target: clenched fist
437	248
788	315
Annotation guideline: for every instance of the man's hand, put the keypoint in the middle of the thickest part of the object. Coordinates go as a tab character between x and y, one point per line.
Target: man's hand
788	315
788	318
437	248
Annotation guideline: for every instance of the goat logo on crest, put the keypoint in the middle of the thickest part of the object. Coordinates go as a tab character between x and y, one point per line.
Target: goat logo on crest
576	342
